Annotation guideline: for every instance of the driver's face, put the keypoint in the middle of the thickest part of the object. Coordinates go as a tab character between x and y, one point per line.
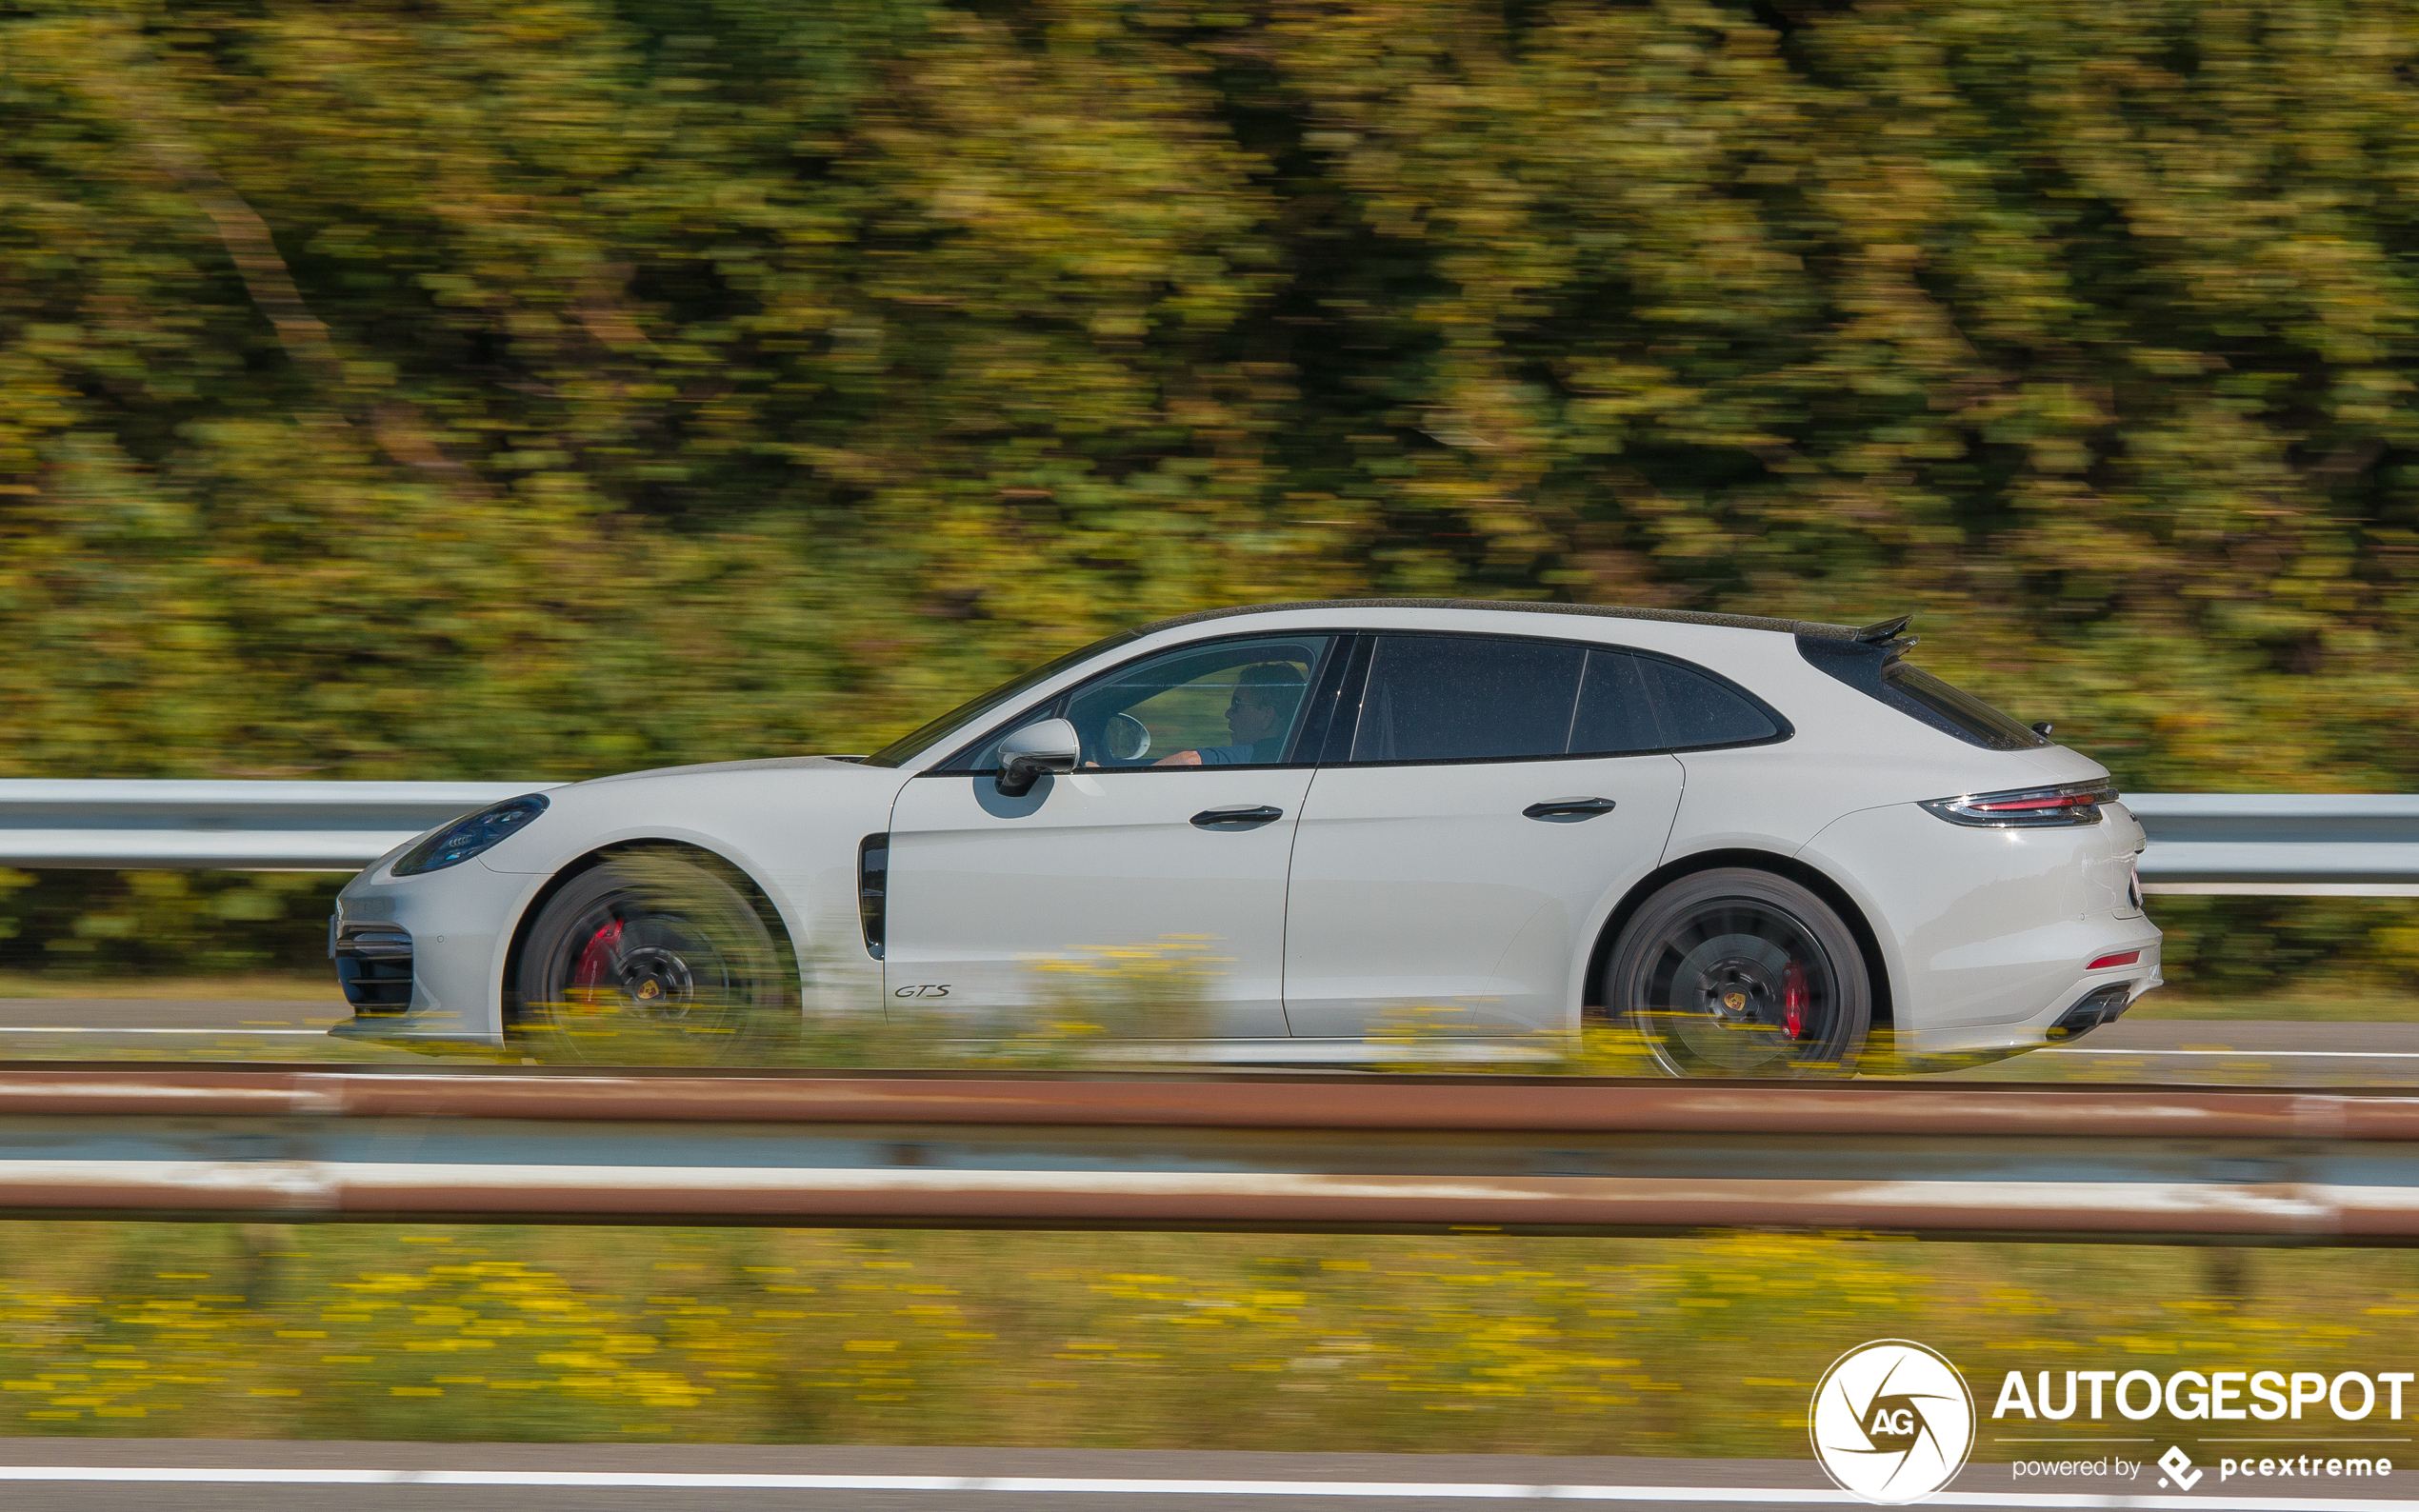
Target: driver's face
1252	716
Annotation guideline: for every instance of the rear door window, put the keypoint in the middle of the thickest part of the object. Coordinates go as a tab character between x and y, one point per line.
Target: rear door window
1444	698
1468	698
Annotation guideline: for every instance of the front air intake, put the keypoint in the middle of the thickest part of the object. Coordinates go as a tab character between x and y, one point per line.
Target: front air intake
373	966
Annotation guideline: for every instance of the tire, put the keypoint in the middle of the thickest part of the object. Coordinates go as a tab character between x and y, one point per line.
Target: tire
650	959
1738	972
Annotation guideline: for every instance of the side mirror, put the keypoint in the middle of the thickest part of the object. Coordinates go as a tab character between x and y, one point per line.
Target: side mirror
1049	747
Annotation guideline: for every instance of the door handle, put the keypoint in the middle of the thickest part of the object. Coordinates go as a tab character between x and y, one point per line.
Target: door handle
1569	809
1237	816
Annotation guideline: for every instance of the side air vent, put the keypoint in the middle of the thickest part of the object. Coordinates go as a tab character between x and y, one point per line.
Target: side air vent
873	876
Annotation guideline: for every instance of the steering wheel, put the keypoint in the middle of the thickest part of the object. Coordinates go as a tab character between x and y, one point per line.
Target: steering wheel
1125	738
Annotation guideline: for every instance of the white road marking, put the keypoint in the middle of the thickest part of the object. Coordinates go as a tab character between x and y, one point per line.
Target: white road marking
2327	1055
1123	1485
60	1028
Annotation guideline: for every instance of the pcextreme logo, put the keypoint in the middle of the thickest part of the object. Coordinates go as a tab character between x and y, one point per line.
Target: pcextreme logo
1893	1422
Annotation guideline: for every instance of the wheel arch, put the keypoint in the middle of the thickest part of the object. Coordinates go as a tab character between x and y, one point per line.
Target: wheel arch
750	886
1811	878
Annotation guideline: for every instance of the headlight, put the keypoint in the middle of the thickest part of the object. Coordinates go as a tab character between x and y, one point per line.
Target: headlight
464	837
2027	808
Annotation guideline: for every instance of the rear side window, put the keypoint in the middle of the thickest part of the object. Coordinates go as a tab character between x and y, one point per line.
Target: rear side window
1697	711
1466	698
1446	698
1876	671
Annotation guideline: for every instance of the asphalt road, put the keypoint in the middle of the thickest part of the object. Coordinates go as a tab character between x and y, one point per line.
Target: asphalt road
2247	1050
2295	1051
140	1475
268	1018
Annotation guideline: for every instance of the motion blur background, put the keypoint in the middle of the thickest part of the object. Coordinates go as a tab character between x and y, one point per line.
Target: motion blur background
503	390
509	390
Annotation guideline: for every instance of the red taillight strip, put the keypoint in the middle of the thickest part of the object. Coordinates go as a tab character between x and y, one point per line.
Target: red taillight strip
2027	808
2123	957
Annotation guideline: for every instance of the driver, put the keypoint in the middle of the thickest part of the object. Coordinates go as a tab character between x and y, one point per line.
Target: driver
1258	716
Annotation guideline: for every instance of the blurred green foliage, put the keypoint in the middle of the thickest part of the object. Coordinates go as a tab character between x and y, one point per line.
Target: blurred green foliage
165	924
548	388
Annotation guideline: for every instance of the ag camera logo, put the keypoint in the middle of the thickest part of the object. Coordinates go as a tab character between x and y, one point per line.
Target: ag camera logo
1893	1422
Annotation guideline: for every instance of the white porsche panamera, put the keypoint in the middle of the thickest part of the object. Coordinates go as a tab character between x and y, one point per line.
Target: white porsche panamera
1758	842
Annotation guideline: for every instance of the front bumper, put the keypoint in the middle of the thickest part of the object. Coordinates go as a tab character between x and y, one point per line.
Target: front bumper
427	954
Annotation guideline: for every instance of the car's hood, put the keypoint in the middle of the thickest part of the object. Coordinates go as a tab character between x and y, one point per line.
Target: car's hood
762	763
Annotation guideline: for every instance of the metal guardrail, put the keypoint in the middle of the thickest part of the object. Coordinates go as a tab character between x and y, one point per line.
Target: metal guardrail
225	825
1271	1152
2344	845
2350	843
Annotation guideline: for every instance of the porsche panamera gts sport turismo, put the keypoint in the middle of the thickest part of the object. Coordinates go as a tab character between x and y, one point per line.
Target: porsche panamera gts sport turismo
1761	842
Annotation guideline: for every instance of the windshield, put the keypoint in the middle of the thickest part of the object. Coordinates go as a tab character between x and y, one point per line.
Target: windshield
907	746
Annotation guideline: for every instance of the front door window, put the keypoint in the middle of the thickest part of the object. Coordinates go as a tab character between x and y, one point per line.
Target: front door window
1229	703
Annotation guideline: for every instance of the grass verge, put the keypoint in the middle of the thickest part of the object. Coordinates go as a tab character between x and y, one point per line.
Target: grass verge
1467	1342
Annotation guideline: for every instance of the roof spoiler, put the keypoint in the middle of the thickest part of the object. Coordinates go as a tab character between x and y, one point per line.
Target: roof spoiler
1885	634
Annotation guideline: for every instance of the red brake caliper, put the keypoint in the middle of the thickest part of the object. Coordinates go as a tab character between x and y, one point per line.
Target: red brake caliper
1793	999
595	969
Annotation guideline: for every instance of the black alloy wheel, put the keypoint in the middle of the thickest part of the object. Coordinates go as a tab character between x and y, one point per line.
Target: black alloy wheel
1739	972
650	958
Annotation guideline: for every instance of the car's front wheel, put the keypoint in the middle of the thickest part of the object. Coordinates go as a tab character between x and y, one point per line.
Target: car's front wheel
649	957
1739	972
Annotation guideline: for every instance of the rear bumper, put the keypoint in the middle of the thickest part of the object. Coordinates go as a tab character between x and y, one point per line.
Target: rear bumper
2092	1000
1989	934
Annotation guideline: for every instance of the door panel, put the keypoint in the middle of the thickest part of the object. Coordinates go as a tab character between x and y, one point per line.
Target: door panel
1170	837
1425	893
981	885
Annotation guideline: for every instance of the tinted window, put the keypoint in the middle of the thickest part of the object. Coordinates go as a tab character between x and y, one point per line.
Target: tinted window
1227	704
1958	712
1464	698
1614	717
1877	670
1697	711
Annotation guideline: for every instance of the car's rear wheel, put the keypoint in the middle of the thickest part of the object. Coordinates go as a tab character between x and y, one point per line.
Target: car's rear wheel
650	957
1739	972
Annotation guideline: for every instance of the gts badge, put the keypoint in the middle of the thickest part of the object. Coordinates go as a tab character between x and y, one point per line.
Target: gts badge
927	989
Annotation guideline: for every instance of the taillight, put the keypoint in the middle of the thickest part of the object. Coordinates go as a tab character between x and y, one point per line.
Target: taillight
2123	957
2027	808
